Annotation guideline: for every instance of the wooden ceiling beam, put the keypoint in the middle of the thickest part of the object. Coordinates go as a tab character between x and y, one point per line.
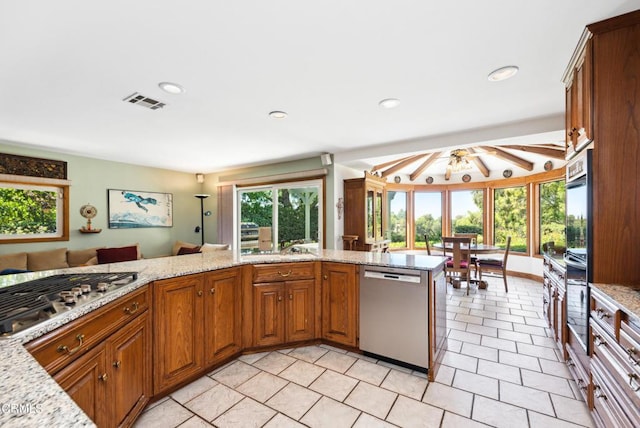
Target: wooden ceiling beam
544	151
426	164
479	163
447	175
402	164
386	164
501	154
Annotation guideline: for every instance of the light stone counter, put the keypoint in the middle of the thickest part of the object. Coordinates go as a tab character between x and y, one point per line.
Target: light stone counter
30	397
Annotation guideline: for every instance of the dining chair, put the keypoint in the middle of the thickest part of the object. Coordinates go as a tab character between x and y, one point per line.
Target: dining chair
458	265
348	241
473	255
495	266
426	242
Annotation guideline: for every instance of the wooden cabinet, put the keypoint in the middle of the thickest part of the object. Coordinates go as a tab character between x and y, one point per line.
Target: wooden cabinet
340	303
103	360
579	107
554	290
197	324
364	212
284	303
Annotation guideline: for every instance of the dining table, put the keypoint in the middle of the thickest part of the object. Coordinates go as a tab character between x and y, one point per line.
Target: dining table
475	248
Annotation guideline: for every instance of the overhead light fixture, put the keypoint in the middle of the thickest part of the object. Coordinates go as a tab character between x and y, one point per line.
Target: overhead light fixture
503	73
276	114
200	177
389	103
458	160
172	88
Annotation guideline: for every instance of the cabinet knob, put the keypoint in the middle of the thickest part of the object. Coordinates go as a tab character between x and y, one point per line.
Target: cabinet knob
598	340
601	313
598	392
631	352
103	377
325	277
290	296
117	364
200	293
279	298
212	291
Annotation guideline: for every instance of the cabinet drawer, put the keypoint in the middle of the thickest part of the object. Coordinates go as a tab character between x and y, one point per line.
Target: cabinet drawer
604	398
603	313
61	346
283	272
630	342
578	372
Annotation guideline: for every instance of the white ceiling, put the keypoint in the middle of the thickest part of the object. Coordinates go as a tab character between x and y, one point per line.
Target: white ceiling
65	67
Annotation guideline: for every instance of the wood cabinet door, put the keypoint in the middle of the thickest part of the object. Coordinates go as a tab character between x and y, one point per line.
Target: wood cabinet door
268	317
86	382
339	303
178	330
129	362
300	312
223	314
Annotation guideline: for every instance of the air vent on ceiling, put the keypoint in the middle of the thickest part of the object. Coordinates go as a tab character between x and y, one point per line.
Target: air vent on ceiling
143	101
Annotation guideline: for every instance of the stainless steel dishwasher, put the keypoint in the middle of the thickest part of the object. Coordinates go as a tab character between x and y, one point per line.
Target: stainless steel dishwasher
394	315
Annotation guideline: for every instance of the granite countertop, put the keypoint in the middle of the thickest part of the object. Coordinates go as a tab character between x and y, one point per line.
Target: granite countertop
627	297
23	405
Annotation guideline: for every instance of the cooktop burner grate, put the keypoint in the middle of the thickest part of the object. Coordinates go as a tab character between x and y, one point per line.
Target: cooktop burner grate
29	298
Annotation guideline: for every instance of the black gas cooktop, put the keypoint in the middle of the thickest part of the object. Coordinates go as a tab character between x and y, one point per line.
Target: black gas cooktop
29	303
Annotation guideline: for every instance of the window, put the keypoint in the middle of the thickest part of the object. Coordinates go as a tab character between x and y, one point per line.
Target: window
510	217
32	212
467	210
397	223
286	215
552	214
427	217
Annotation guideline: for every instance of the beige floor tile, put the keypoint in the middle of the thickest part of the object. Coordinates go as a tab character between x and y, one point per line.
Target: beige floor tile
293	400
411	413
458	310
394	366
555	368
214	402
483	330
515	336
156	403
538	420
469	319
309	354
511	318
535	321
477	384
247	413
544	341
445	375
529	329
537	351
525	313
167	414
281	421
454	345
456	325
499	371
262	386
368	372
336	362
302	373
493	342
448	398
519	360
572	410
529	398
405	384
498	414
252	358
196	422
501	325
371	399
547	383
333	348
464	336
459	361
363	357
484	313
478	351
451	420
274	363
368	421
330	414
235	374
194	389
334	385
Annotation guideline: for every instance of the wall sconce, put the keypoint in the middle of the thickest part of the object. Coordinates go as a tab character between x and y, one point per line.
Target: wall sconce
340	207
200	177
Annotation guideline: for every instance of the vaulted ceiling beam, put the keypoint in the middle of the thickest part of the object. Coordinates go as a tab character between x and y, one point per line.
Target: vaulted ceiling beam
501	154
479	162
447	175
386	164
424	165
402	164
557	153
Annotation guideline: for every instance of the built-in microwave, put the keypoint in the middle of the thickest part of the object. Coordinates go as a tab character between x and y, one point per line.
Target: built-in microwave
579	240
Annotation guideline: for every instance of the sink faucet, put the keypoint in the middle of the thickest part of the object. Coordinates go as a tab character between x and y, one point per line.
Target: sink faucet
291	248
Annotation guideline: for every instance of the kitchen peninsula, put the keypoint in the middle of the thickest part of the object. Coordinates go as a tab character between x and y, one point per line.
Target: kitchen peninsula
31	397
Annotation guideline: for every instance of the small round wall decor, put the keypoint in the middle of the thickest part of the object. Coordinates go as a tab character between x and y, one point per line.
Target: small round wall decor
507	173
548	165
397	179
466	178
429	180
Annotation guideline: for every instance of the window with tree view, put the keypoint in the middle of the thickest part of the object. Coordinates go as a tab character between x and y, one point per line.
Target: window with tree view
397	209
29	212
283	216
467	209
510	217
428	218
552	216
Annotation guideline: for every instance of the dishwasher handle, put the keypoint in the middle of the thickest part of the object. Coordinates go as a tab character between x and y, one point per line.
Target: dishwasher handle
392	276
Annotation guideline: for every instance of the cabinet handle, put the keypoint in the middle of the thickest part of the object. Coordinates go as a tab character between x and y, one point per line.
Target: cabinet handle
570	363
103	377
130	311
325	277
598	341
65	349
199	293
633	377
598	392
279	298
212	291
117	364
631	352
601	313
290	296
284	275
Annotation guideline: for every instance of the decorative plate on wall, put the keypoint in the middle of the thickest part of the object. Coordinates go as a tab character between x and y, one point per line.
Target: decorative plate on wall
466	178
507	173
397	179
429	180
548	165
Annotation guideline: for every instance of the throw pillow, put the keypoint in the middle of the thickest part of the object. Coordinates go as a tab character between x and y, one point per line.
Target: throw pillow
214	247
119	254
180	244
46	260
13	261
188	250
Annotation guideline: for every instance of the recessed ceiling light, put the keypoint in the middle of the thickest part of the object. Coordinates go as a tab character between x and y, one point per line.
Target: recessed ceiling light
503	73
172	88
276	114
389	103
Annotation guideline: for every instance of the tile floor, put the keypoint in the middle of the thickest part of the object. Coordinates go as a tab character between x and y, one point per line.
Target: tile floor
502	369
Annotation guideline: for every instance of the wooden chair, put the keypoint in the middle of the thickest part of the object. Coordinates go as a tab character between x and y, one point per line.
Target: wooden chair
496	266
349	241
473	256
458	265
426	242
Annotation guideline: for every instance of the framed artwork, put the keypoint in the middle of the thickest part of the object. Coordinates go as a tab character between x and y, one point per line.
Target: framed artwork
130	209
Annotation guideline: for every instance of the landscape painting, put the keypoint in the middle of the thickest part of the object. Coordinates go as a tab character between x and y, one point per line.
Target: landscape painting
129	209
